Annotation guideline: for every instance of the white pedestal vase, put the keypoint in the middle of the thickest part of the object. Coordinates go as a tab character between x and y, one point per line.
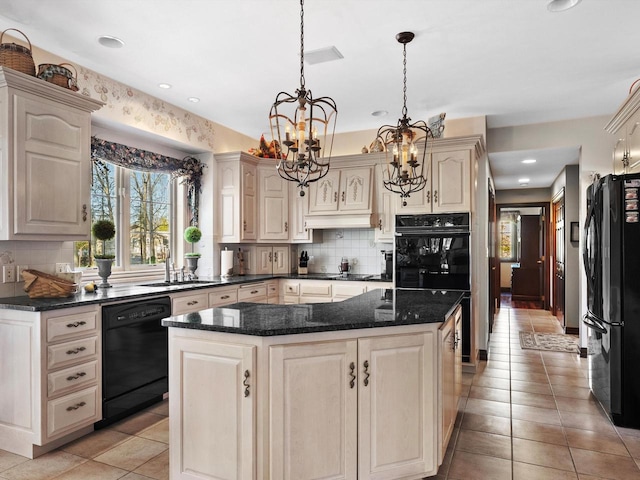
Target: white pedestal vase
104	270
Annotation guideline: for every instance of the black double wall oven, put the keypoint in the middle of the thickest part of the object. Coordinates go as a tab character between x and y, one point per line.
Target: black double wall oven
432	251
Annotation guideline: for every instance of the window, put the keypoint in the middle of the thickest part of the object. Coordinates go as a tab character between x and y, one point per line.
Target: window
508	236
141	206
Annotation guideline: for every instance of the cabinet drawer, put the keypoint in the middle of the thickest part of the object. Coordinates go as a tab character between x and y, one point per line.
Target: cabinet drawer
250	293
72	411
69	326
223	297
291	289
190	303
272	289
291	299
72	352
345	290
71	378
316	289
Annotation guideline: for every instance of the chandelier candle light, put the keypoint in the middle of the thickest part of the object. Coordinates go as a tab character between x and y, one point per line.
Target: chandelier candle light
304	126
404	174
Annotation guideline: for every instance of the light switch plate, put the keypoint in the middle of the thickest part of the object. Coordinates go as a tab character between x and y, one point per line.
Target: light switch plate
8	273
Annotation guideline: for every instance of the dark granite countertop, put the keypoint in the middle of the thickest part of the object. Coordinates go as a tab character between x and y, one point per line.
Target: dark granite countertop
377	308
123	291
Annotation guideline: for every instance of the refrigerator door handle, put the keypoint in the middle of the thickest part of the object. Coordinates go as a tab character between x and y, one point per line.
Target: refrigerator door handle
594	323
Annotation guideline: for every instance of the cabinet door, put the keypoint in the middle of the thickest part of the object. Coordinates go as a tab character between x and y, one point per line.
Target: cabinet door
323	194
355	189
249	202
52	176
280	260
451	182
312	391
229	198
397	436
273	205
212	417
447	389
264	260
299	233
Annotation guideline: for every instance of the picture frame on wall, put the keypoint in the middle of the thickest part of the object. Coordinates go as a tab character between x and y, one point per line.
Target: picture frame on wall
575	232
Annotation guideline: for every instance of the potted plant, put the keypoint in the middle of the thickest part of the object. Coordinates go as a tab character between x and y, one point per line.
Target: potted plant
192	235
104	230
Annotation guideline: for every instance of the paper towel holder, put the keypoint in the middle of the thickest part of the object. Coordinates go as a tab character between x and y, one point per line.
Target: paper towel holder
226	263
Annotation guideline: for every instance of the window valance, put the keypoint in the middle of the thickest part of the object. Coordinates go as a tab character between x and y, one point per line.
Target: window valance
189	169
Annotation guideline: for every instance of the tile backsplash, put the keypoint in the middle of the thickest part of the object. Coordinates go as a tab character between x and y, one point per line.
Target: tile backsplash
41	256
357	244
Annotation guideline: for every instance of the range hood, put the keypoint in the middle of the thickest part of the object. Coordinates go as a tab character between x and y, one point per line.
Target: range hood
360	220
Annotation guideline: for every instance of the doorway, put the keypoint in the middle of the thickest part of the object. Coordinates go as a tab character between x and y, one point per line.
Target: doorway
522	251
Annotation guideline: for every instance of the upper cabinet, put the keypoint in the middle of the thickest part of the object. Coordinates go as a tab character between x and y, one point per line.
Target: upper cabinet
238	184
45	169
273	205
625	124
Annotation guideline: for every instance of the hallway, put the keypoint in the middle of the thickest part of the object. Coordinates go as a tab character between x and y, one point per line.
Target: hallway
529	415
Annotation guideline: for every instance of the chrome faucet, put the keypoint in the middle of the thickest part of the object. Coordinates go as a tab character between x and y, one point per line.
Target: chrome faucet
167	266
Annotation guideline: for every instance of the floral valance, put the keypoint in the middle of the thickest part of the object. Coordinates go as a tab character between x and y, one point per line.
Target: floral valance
189	169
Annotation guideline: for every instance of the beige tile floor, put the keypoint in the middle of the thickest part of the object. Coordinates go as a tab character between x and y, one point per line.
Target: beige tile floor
525	415
136	448
529	415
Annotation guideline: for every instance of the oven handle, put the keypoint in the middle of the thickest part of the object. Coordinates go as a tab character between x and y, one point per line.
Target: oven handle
591	321
431	231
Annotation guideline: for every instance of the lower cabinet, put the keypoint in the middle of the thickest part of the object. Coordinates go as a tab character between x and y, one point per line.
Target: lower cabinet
212	410
450	339
354	405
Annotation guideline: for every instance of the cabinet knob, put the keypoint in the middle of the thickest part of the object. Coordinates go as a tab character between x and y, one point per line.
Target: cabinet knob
76	406
76	324
270	257
435	196
428	197
244	225
344	196
366	372
194	302
275	257
352	369
380	224
76	351
305	227
224	297
286	226
84	212
76	376
335	197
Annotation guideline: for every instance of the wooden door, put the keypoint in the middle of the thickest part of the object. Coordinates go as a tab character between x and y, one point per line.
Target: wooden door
213	411
559	255
312	391
396	404
494	263
527	280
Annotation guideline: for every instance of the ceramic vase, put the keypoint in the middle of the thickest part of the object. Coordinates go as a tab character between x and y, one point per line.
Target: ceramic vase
192	265
104	270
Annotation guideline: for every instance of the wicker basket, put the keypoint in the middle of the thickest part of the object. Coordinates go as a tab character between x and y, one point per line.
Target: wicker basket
17	57
42	285
59	75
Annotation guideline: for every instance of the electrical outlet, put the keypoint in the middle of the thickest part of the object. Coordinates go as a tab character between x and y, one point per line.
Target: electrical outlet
62	267
19	270
8	273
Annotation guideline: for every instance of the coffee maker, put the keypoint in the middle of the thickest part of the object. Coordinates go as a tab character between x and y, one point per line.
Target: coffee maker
386	271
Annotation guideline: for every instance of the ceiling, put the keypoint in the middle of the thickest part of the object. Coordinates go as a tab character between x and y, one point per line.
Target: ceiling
510	60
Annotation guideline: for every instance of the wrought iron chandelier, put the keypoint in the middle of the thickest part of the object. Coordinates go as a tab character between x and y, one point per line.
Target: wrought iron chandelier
404	173
305	126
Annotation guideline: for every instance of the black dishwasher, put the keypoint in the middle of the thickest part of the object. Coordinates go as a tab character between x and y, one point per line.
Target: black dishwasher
135	363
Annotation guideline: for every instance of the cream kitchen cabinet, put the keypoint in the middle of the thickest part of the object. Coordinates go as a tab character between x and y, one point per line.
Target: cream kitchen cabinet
299	232
190	301
51	376
272	259
625	124
372	402
238	201
345	192
450	339
216	385
45	160
273	205
386	206
221	296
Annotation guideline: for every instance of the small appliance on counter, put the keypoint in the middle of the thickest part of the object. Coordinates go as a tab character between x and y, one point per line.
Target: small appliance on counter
344	267
386	270
302	265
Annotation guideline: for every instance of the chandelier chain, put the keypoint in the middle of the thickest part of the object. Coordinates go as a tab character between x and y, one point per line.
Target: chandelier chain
404	89
302	44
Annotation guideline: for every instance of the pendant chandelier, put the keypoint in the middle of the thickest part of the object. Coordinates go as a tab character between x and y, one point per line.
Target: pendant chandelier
305	127
404	173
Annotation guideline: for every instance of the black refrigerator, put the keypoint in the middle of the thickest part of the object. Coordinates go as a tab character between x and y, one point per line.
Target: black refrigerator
611	257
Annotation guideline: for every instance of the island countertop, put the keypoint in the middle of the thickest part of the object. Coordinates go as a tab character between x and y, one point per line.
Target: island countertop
376	308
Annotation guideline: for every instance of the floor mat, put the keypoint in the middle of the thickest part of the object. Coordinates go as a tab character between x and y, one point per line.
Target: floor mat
553	342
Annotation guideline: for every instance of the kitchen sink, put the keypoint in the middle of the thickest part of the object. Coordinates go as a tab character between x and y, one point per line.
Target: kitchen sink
176	284
351	276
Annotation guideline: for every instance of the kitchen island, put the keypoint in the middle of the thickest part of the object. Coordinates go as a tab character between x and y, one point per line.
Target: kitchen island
360	389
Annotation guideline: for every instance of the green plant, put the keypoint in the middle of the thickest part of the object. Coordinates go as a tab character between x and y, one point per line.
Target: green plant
192	235
104	230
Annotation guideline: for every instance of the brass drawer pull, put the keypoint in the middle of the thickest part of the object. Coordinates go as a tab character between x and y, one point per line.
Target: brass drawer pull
352	369
224	297
245	382
194	302
76	376
76	406
366	372
77	350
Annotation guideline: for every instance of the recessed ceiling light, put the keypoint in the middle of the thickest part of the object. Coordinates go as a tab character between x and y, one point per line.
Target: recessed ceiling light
164	85
523	180
561	5
379	113
529	160
193	99
110	41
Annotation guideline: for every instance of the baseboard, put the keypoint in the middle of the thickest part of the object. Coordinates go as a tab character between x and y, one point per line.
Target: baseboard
505	289
572	330
468	367
583	352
